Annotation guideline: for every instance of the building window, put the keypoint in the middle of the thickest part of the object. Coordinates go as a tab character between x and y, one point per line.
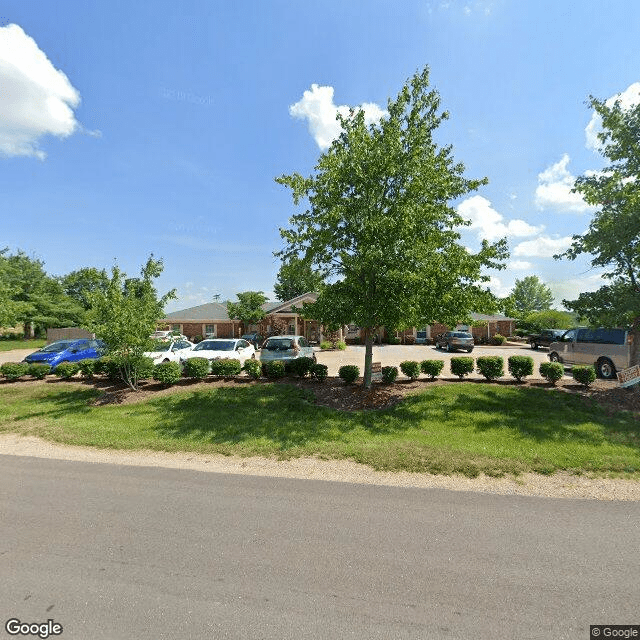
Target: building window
421	334
292	328
175	327
210	329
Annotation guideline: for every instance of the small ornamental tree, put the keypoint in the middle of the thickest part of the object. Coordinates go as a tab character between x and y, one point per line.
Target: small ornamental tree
248	309
125	315
380	223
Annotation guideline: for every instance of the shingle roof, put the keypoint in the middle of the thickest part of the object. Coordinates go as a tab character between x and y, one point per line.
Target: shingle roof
490	318
216	311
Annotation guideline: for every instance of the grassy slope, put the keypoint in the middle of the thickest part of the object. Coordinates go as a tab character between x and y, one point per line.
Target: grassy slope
10	345
460	428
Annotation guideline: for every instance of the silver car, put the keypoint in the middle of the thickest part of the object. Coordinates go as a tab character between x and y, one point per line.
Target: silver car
608	350
286	348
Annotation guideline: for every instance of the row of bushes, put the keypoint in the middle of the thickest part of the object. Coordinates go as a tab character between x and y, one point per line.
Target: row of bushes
168	372
491	367
325	345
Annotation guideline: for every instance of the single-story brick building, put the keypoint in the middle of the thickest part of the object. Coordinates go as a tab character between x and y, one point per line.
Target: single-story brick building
213	320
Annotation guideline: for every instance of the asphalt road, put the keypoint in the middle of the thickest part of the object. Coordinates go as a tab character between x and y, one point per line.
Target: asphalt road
113	552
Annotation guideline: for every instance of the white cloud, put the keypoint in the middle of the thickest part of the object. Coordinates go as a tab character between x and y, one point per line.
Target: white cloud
318	108
490	224
554	189
571	288
36	99
497	287
519	265
628	98
542	247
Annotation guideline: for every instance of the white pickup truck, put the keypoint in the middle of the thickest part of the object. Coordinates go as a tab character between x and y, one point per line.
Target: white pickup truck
608	350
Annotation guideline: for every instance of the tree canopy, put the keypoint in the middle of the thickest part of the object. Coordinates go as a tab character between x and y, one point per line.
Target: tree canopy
528	296
32	297
80	284
613	236
380	223
124	316
295	277
248	309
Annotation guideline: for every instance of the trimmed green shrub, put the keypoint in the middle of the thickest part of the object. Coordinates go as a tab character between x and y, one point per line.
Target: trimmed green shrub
498	339
520	366
461	366
584	374
167	372
552	371
274	369
196	368
325	345
319	372
87	367
108	366
349	373
253	369
432	368
226	367
341	345
66	370
14	370
393	340
389	374
39	370
410	368
298	367
491	367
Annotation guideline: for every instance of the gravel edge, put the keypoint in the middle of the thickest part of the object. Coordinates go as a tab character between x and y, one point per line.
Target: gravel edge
558	485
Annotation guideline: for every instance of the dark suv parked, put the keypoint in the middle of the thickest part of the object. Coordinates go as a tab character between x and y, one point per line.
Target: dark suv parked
545	337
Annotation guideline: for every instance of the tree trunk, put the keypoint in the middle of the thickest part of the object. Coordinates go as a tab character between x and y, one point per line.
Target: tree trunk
368	357
635	347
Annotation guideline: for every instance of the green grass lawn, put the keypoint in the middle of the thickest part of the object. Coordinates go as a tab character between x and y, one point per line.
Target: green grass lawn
10	345
462	428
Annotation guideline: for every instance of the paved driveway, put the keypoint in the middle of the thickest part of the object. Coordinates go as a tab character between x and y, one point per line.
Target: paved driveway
393	355
17	355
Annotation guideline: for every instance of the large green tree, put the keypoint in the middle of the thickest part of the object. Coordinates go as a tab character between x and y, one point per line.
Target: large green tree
36	299
380	223
248	309
80	284
124	316
295	277
613	236
528	296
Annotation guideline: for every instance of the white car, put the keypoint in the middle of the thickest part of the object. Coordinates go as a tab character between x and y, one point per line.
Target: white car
171	350
221	348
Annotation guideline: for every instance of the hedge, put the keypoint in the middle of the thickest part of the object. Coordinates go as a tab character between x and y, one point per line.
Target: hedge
167	372
584	374
349	373
491	367
461	366
552	371
14	370
520	366
226	367
432	368
411	369
274	369
319	372
389	374
66	370
253	369
196	368
39	370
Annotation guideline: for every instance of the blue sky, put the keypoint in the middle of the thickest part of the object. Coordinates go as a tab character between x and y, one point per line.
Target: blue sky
131	128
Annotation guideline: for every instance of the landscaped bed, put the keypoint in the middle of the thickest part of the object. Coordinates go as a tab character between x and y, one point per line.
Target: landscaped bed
439	427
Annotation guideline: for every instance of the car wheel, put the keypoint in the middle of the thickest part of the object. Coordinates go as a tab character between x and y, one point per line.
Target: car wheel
448	348
554	357
605	369
470	350
166	360
253	356
534	345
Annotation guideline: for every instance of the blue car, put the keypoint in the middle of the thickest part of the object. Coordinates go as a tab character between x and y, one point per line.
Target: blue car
67	351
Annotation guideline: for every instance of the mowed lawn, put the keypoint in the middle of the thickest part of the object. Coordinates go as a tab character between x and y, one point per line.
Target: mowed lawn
11	345
464	428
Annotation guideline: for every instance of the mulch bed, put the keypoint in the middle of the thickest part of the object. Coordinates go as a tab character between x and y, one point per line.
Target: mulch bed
334	393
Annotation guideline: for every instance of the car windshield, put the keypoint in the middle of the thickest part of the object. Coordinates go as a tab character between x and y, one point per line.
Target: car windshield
56	347
279	344
217	345
461	334
160	345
